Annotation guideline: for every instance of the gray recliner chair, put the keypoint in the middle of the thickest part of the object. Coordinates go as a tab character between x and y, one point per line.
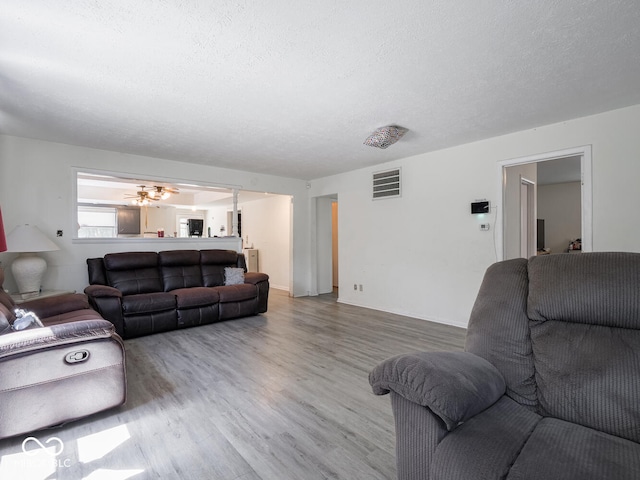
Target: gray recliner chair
65	366
548	386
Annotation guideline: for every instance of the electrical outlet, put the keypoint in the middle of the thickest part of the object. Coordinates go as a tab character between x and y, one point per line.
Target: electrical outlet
484	227
355	287
360	287
59	233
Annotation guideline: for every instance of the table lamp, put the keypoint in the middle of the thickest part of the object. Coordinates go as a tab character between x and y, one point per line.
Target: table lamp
29	268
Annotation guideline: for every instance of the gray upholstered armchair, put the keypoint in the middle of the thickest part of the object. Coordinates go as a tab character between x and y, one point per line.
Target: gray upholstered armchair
549	384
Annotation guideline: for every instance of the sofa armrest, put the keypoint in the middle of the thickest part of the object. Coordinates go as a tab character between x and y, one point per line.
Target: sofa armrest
51	306
102	291
255	277
25	341
261	281
107	301
455	386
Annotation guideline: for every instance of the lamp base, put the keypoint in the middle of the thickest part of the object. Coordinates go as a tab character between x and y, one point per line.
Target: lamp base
28	270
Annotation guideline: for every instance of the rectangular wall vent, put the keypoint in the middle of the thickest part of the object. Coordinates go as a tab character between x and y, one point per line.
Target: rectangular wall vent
387	184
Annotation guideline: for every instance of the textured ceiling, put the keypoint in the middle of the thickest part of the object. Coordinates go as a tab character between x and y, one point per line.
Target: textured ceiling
293	88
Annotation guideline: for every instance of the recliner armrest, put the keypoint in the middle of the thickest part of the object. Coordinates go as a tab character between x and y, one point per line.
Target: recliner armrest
45	337
102	291
455	386
107	301
255	277
51	306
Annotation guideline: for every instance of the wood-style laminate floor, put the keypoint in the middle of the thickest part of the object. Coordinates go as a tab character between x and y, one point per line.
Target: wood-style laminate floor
280	396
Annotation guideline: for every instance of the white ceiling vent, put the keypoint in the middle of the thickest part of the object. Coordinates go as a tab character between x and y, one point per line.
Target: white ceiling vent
387	184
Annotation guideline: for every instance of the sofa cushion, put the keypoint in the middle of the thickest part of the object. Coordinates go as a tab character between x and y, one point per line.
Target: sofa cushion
487	445
97	273
72	316
499	328
237	293
585	336
213	263
133	272
595	289
589	375
196	297
509	441
180	269
558	449
148	303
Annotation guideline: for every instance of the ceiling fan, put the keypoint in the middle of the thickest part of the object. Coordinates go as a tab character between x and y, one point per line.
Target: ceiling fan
147	195
162	193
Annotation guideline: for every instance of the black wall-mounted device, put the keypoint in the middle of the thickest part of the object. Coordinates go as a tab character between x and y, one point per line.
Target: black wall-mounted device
480	207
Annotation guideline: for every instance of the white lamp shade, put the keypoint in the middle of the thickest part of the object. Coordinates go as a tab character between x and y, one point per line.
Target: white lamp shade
29	238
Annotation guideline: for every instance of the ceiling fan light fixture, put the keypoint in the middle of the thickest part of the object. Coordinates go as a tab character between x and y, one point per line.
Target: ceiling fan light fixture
385	136
143	197
140	202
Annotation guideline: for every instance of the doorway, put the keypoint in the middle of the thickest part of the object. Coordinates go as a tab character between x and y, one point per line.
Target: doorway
517	221
326	242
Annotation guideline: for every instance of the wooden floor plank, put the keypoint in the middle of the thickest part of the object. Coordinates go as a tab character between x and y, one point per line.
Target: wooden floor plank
279	396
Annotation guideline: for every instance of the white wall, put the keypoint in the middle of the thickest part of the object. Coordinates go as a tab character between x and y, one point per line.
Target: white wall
36	186
559	205
215	218
266	227
423	255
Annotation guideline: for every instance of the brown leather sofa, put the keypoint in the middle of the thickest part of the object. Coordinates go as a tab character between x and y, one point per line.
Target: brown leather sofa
70	367
147	292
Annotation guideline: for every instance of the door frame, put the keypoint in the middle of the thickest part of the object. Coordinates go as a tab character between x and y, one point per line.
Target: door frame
528	215
586	192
